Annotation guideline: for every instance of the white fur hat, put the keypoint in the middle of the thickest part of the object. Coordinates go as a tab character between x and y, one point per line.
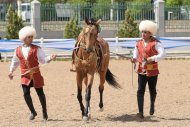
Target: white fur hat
27	31
148	25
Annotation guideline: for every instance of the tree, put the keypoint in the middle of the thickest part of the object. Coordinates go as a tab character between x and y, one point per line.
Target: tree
52	1
141	1
72	30
82	1
15	23
129	27
174	2
186	2
177	2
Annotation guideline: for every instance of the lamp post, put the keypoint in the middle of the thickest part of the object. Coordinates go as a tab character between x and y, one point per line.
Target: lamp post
111	10
19	7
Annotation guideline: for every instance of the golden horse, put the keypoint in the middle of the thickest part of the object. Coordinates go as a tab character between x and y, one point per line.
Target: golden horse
90	55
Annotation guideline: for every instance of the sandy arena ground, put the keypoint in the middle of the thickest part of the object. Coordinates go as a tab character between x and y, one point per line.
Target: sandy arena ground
120	105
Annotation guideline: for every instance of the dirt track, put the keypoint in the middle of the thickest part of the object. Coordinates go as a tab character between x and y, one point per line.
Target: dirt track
120	106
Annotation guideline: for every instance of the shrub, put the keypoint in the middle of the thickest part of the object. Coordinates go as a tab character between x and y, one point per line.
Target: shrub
15	23
72	30
129	27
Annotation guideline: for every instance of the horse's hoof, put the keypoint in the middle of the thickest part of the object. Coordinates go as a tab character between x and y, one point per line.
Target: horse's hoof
85	118
72	70
89	116
101	109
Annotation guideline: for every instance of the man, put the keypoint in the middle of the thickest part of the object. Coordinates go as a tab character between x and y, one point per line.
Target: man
28	56
148	51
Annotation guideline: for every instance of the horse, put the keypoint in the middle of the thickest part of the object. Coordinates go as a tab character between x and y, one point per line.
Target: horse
91	55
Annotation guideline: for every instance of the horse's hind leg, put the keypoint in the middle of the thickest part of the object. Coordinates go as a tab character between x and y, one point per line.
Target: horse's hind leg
101	89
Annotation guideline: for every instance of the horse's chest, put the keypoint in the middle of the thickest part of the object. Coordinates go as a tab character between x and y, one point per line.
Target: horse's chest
86	63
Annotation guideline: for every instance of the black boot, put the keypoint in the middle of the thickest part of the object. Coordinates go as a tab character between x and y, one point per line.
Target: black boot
140	100
152	101
28	100
44	109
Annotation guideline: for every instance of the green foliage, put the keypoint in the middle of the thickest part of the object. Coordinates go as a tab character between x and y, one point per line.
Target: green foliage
104	1
177	2
72	30
14	24
81	1
186	2
168	2
129	27
52	1
141	1
174	2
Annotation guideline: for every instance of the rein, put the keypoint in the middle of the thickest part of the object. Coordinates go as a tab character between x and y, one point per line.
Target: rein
85	55
92	56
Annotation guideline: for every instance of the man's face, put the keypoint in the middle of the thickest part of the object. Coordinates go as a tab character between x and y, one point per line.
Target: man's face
145	35
28	40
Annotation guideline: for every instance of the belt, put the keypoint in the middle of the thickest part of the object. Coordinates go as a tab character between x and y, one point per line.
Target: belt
150	67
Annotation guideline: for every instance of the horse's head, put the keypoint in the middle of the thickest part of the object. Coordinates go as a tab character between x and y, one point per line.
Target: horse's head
90	33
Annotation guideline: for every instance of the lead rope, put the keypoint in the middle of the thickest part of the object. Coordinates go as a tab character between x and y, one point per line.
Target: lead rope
133	67
29	70
132	76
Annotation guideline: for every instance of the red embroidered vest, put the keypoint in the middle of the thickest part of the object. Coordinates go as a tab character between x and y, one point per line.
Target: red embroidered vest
30	64
145	52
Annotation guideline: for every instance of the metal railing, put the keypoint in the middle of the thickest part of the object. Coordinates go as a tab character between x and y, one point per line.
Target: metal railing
177	18
55	17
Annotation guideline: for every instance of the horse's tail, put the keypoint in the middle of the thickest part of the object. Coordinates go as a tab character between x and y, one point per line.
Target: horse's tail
110	78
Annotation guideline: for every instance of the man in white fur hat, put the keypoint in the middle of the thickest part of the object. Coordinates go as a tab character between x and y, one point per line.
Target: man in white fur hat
28	56
148	51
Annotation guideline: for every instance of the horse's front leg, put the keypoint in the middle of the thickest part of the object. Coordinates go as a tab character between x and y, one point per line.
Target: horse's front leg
79	93
88	96
79	97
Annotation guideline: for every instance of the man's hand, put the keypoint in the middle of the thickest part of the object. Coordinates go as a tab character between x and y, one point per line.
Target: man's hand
53	57
133	60
149	60
10	75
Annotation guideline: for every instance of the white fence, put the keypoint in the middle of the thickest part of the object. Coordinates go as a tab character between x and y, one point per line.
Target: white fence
175	46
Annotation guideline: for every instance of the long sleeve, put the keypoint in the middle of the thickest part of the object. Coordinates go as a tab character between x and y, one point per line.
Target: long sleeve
42	58
159	48
14	63
161	52
135	53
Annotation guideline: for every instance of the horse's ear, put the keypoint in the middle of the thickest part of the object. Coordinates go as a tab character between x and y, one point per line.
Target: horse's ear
98	22
86	20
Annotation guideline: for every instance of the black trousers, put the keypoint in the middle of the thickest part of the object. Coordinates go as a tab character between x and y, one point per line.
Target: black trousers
26	89
142	81
28	99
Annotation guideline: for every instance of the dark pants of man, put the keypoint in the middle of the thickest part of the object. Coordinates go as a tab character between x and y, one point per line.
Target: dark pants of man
142	81
28	99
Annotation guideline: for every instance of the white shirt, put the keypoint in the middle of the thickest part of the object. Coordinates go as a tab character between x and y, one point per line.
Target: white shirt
42	58
159	48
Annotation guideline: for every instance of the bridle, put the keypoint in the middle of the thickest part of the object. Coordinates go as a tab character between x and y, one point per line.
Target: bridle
87	33
82	44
